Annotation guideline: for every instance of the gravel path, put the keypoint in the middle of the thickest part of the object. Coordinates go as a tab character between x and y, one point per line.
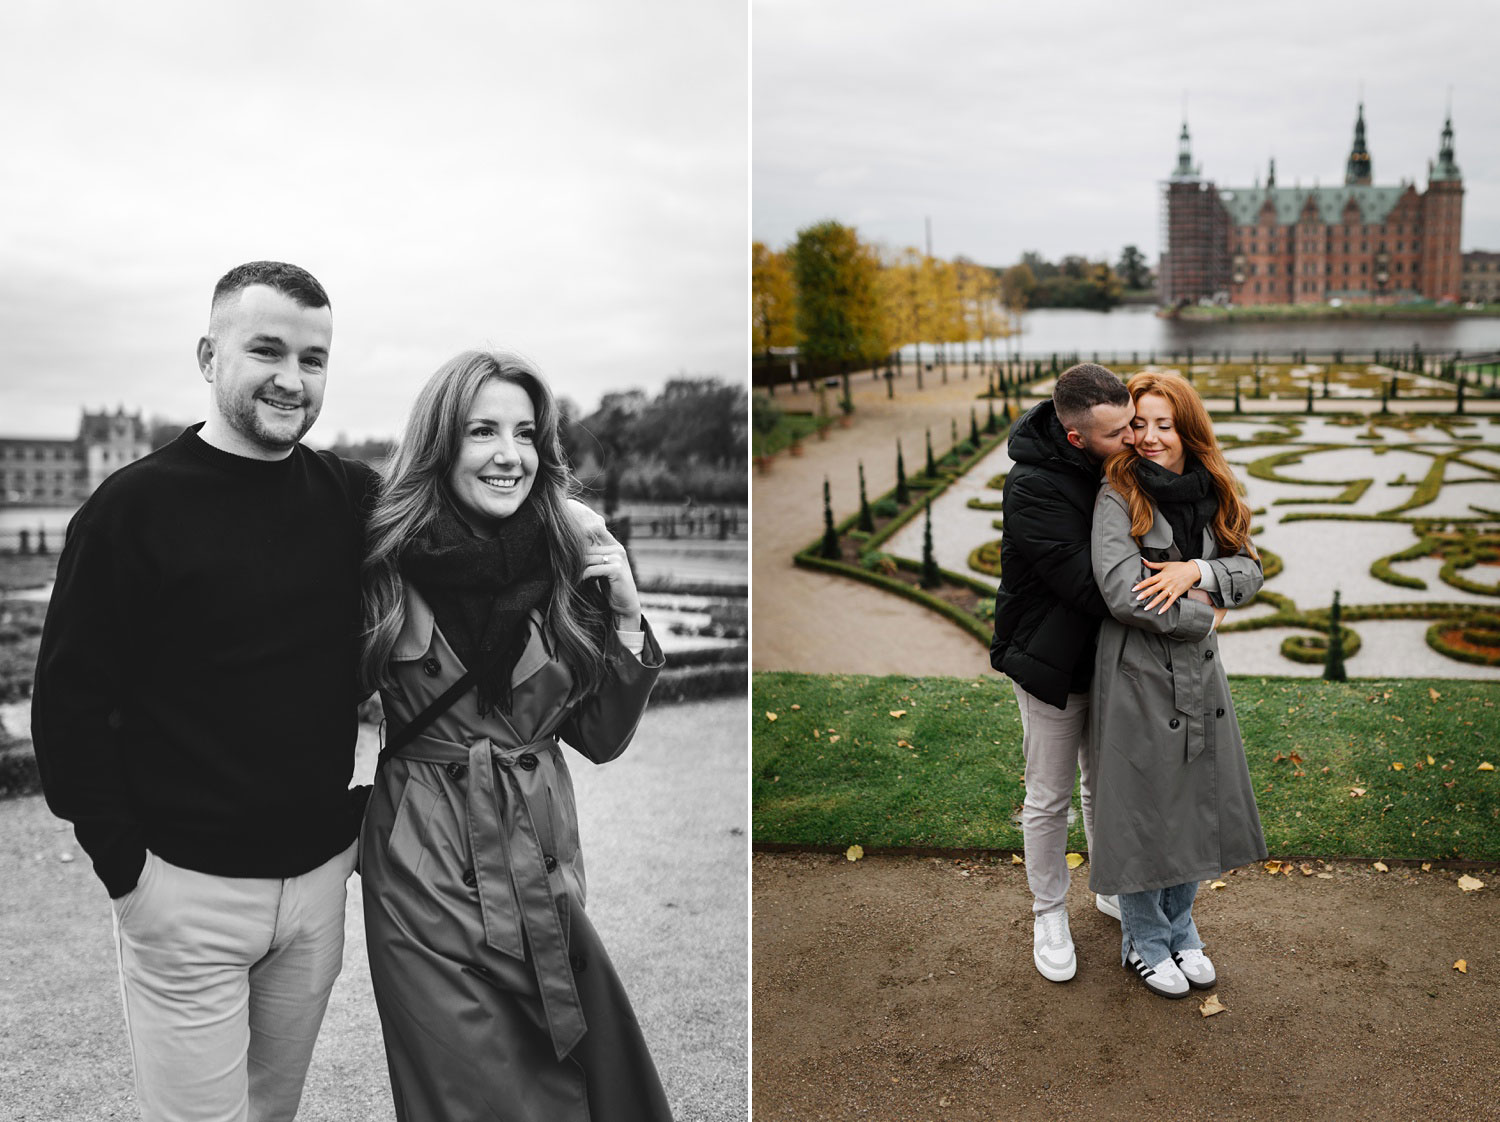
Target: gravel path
663	831
903	988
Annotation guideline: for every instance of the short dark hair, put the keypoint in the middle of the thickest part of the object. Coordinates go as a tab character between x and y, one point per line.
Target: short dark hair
1079	388
289	280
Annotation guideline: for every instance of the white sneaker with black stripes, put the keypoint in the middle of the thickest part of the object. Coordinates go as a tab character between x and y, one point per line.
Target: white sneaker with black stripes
1197	968
1163	978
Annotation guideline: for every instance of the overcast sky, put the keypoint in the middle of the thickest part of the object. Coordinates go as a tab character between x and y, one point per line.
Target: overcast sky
1019	126
565	179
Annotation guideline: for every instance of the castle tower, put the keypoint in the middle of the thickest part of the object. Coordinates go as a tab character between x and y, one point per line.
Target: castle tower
1442	221
1195	233
1271	175
1357	173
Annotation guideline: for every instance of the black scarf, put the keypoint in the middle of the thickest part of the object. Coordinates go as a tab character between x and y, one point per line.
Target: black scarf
1187	501
482	590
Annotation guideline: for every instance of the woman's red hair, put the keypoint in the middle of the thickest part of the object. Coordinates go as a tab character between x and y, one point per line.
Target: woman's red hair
1231	522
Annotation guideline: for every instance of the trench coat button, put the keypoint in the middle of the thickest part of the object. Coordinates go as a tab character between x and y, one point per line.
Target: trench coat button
1173	723
469	878
1208	654
1219	713
578	962
527	762
549	861
456	771
432	667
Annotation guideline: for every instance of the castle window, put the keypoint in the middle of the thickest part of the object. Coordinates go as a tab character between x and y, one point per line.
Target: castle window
1257	286
1346	268
1398	266
1364	266
1400	246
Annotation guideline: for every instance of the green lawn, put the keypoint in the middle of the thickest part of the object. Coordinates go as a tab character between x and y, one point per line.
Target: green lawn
836	768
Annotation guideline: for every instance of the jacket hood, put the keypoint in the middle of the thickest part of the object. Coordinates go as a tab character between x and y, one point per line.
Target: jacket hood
1039	438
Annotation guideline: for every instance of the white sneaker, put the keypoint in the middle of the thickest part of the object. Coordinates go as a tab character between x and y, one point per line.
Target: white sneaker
1196	967
1109	905
1052	946
1163	978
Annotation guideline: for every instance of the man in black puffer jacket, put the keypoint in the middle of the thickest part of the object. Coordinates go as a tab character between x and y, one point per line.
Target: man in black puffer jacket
1047	614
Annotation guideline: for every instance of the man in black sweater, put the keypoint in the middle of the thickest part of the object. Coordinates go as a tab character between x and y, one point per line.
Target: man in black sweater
194	712
1047	614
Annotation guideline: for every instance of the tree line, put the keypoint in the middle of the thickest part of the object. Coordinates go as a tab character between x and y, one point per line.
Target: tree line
839	299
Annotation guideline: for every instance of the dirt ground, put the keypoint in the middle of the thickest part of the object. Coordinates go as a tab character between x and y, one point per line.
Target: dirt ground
663	831
902	988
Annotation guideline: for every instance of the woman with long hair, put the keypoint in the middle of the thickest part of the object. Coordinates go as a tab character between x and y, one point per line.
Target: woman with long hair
500	618
1172	797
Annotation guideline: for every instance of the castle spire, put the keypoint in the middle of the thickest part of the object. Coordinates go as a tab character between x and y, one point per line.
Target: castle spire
1271	177
1184	167
1446	168
1358	171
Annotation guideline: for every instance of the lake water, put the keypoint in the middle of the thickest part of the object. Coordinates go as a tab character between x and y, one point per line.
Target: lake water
1137	328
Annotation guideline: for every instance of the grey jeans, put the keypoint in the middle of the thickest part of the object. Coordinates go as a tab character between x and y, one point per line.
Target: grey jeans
1055	743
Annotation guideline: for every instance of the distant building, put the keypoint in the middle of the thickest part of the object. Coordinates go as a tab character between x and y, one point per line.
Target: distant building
56	471
1307	245
1481	277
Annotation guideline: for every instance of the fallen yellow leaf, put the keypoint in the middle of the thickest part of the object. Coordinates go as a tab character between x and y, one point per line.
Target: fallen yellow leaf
903	744
817	734
770	716
1273	867
1017	859
1432	693
1307	870
1398	766
1074	860
1381	867
1219	884
898	713
854	852
1427	866
1212	1005
1486	766
796	707
1470	884
1430	761
1356	792
833	740
1462	966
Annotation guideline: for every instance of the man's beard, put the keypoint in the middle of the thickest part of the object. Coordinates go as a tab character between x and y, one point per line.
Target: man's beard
243	415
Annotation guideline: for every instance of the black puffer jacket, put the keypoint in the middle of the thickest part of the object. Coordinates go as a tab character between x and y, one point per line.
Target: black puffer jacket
1048	608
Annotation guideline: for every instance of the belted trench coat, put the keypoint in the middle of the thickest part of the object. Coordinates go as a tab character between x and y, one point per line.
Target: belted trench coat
496	999
1172	796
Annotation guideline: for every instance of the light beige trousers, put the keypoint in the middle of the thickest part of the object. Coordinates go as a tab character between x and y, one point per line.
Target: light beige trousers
225	981
1055	744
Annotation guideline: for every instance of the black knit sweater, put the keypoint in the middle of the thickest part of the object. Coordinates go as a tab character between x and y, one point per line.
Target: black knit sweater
195	688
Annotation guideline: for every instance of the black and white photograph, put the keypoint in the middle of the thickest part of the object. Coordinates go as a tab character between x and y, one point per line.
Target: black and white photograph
374	592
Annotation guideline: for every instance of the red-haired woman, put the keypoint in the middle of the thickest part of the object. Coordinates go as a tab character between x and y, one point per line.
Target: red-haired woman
496	998
1173	802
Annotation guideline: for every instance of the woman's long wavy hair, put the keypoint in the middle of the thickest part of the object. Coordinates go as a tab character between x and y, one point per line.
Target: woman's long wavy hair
415	487
1231	522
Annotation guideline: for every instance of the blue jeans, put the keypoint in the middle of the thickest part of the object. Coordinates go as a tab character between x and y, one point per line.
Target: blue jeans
1158	922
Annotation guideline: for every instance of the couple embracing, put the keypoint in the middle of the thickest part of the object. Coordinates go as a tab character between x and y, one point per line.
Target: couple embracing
221	607
1125	543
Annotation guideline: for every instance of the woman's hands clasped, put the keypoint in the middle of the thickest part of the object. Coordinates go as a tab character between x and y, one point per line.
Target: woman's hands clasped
604	557
1171	581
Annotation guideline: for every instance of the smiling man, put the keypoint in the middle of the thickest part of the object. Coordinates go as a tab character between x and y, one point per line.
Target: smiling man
194	713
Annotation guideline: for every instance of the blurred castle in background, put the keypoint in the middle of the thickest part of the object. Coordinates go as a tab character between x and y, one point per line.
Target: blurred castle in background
49	471
1359	243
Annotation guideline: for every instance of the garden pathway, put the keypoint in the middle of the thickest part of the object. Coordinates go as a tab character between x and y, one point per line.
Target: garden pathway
822	624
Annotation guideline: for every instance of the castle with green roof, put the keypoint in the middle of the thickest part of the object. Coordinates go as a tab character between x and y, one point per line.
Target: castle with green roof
1355	243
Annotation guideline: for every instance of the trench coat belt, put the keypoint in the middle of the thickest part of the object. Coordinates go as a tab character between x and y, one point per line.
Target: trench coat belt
510	871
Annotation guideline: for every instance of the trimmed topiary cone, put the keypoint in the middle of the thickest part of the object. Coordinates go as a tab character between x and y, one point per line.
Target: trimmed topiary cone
931	578
903	492
830	548
866	516
1333	665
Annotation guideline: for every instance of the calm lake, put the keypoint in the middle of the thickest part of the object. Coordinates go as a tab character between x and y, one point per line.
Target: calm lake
1137	328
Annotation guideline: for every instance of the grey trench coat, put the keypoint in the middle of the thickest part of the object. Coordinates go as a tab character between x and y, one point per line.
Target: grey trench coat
1172	795
496	999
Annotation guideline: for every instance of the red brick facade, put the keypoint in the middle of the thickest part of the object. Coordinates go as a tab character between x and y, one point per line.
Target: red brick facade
1358	243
